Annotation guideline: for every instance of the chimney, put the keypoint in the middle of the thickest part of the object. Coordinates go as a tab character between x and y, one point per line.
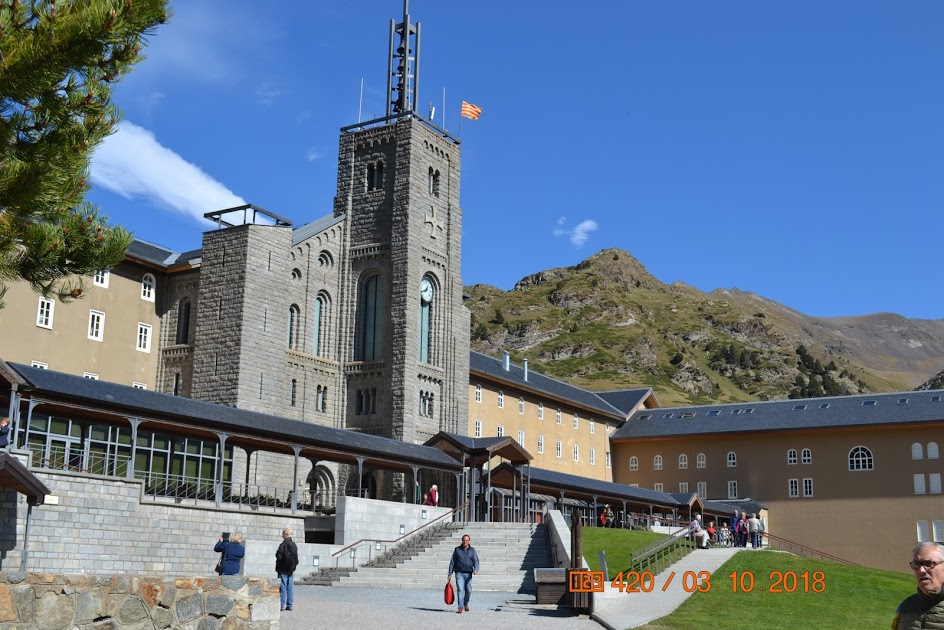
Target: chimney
506	363
525	365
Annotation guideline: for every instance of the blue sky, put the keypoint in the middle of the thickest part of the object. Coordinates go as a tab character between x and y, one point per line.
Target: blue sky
792	149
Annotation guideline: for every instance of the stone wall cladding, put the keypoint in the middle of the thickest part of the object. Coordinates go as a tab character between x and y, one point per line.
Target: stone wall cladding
54	602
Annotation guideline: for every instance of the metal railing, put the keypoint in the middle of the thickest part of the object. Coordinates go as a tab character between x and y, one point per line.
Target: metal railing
782	544
660	554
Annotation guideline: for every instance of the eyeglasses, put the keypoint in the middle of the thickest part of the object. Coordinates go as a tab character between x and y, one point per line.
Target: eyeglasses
925	564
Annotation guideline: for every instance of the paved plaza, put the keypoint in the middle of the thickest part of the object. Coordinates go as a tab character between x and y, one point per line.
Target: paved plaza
327	608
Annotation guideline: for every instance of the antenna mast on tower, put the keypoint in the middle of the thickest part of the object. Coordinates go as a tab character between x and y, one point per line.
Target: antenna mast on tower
403	66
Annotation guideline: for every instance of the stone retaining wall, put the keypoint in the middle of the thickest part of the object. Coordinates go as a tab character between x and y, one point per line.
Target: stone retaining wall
61	602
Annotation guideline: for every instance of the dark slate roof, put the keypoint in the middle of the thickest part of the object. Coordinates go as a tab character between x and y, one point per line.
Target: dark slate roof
472	443
683	497
747	504
149	252
718	507
626	400
13	474
603	489
484	364
308	230
803	414
224	418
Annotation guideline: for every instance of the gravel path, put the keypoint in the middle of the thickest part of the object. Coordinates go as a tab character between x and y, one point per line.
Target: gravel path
327	608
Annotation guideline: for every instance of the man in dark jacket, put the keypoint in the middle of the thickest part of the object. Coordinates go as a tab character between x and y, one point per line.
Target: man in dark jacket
465	564
924	609
286	559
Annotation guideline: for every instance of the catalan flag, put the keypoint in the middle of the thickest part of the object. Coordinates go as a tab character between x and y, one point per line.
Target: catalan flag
470	111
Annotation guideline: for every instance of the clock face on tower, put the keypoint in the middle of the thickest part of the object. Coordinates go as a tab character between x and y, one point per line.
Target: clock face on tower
426	291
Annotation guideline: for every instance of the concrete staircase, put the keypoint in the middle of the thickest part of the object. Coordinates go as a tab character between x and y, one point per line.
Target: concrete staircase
507	551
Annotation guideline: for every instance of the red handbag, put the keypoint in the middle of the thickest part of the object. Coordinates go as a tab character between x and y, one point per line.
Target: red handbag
449	596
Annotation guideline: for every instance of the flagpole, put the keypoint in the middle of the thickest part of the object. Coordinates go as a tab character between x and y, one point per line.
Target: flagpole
360	102
444	109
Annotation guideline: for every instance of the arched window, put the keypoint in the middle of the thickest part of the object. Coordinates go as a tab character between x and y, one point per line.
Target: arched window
657	462
501	399
806	456
148	285
427	295
540	411
478	393
792	456
375	175
433	182
293	320
296	275
917	451
558	416
860	458
369	180
521	405
732	460
371	320
634	463
701	461
319	324
183	321
683	462
932	450
325	261
294	391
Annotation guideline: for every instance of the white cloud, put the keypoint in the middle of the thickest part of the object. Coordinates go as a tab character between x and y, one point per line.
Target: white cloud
313	155
133	164
267	94
578	235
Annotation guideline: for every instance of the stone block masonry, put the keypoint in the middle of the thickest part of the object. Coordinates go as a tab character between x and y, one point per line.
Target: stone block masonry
60	602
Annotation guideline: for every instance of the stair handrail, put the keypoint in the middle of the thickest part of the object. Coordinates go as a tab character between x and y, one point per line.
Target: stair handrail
804	550
396	540
658	551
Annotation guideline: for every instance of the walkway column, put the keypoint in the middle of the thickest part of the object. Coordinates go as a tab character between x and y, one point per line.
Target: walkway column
459	501
135	423
249	452
417	491
29	418
488	493
297	449
596	509
626	516
360	474
11	414
218	482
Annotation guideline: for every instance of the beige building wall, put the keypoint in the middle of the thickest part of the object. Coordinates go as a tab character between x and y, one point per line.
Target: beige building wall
871	517
495	405
63	344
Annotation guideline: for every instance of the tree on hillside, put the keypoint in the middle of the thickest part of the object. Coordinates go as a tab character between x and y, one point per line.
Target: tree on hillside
58	61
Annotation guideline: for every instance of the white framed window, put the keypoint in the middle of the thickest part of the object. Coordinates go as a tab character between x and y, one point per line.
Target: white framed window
634	463
732	489
90	375
732	460
148	284
683	486
937	529
806	456
576	422
923	531
520	437
702	488
521	405
40	365
593	457
576	452
558	416
540	411
808	487
657	462
501	400
500	431
100	279
701	461
917	451
657	487
791	457
932	451
96	327
919	484
144	337
478	428
540	444
592	426
478	393
608	460
559	449
793	487
934	481
860	458
683	461
138	385
45	312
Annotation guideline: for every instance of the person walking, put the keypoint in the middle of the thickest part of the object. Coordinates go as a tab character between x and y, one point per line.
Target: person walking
465	563
753	527
286	560
434	495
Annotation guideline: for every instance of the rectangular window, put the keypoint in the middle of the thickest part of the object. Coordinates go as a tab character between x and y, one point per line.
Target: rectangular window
558	416
96	327
500	431
657	487
478	393
540	444
90	375
44	315
576	452
521	437
732	489
521	405
592	426
683	486
478	428
40	365
576	422
540	411
702	489
924	531
608	460
808	487
935	483
559	450
138	385
144	337
937	529
919	484
100	279
593	457
793	487
501	400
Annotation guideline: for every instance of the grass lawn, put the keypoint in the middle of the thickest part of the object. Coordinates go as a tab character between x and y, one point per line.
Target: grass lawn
618	544
853	597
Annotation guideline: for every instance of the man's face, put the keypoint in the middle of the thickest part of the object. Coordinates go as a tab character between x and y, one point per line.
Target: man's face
929	580
465	541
